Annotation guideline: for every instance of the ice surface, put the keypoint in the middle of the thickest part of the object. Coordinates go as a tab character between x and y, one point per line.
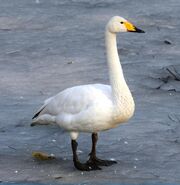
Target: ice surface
46	46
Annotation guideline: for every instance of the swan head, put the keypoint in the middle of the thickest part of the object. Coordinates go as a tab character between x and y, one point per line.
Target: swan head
119	24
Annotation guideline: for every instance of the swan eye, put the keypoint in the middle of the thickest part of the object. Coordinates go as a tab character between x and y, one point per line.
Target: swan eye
122	22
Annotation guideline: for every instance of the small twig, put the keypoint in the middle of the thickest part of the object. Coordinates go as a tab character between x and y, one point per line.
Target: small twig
12	147
167	42
58	177
173	118
171	72
174	75
159	87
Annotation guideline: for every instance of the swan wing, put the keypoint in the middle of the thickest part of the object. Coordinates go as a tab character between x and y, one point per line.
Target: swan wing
75	99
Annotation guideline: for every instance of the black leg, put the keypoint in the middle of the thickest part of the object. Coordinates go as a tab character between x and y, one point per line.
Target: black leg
80	166
93	158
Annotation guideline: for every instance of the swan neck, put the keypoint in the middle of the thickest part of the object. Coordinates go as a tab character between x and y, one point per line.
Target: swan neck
117	81
123	102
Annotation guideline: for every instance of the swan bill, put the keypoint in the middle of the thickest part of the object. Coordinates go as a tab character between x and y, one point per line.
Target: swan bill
131	28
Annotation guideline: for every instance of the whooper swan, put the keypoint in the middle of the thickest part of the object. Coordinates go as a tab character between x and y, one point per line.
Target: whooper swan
93	107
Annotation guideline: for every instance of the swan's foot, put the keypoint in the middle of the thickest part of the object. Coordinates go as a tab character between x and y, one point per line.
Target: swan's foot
93	163
93	158
88	166
100	162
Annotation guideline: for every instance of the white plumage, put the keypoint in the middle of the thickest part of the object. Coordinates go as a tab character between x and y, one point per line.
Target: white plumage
94	107
82	108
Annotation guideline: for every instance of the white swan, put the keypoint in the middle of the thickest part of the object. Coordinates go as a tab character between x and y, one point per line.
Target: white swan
94	107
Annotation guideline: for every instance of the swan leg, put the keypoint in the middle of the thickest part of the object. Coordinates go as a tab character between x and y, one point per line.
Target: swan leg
81	166
93	158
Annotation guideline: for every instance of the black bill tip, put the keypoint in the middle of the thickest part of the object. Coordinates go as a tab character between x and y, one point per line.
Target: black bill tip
139	30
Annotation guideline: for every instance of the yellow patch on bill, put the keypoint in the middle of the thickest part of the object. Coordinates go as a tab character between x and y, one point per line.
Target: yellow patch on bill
129	26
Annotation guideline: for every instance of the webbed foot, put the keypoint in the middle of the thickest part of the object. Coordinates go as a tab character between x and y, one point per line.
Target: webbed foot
100	162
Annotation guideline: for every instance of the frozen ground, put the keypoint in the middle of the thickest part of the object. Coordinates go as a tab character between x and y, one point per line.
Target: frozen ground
48	45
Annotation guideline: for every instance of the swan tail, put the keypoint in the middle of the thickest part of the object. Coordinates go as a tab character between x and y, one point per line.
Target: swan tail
44	119
37	114
42	108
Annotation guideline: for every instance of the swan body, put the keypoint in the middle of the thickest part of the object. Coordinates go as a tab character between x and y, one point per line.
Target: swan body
86	108
93	107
